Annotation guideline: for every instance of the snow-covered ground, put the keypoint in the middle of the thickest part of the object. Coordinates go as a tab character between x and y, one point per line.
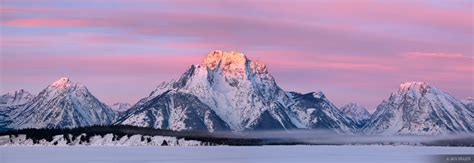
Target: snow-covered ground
219	154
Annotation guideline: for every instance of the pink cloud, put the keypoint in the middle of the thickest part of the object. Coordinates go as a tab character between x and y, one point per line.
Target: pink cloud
102	64
338	45
328	65
315	60
438	62
14	11
411	12
47	22
21	42
437	55
197	45
337	23
79	39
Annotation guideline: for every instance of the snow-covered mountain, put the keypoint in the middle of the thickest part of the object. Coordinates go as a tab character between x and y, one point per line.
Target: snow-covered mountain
120	107
15	98
314	111
229	91
9	103
63	104
418	108
357	113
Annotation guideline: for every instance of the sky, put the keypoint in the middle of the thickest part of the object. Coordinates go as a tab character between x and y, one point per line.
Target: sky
353	51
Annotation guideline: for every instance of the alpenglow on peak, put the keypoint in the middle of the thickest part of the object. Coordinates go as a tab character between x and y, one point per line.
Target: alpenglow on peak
62	82
232	61
417	86
217	57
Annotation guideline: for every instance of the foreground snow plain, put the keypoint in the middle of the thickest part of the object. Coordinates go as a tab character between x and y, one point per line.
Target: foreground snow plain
219	154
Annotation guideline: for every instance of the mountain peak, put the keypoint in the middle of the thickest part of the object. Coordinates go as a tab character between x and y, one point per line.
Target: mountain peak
356	112
229	91
354	108
62	83
420	109
220	58
120	107
418	86
63	104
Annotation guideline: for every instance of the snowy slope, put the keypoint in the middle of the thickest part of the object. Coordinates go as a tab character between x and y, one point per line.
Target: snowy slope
9	103
239	91
420	109
175	111
357	113
62	104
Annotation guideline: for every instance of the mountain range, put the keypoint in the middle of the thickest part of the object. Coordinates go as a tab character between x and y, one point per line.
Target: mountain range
63	104
229	92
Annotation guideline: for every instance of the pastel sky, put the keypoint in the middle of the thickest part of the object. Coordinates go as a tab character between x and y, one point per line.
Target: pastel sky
351	50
